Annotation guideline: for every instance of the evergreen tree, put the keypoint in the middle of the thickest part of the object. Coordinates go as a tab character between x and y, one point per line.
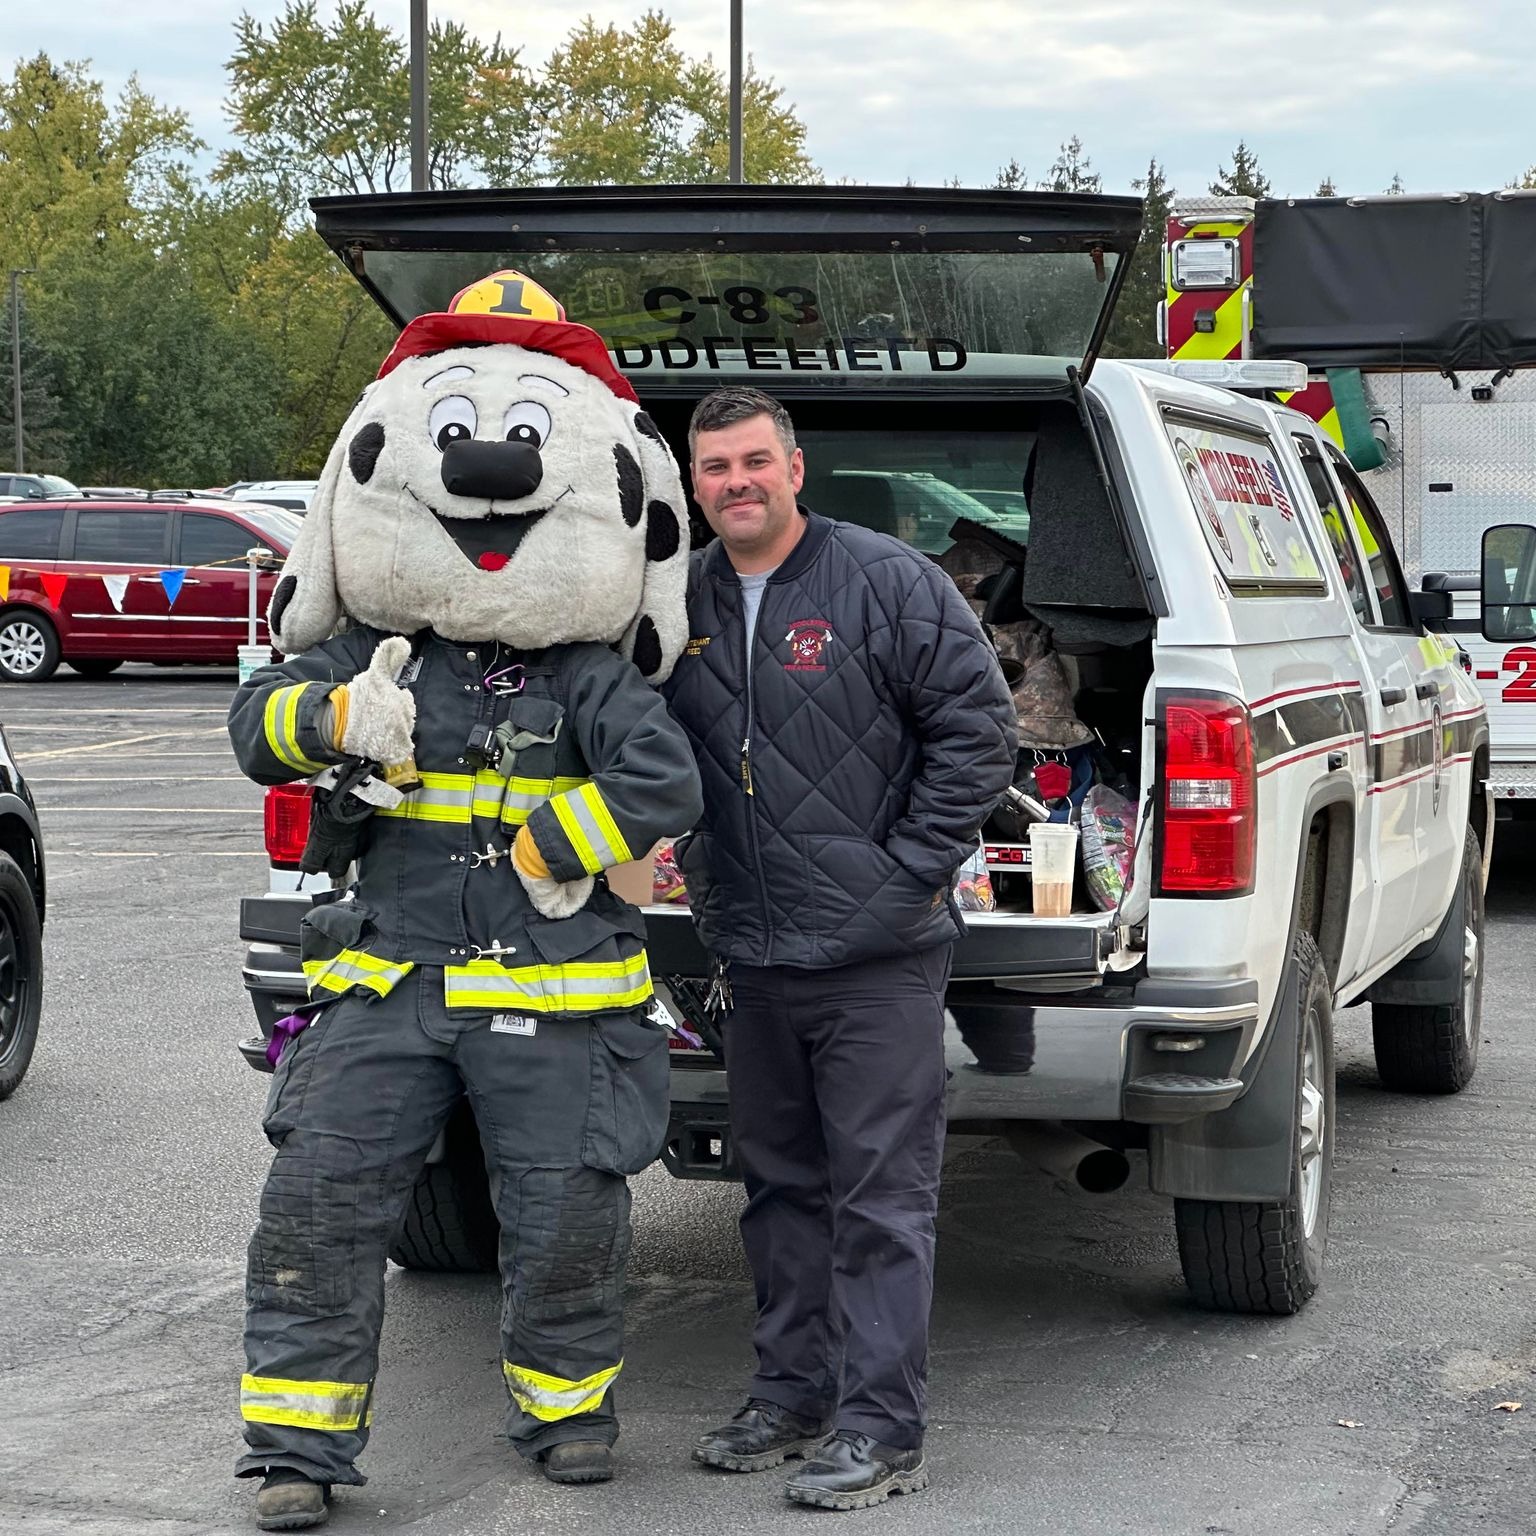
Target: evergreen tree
1072	171
1242	178
45	432
1012	177
1133	331
1325	188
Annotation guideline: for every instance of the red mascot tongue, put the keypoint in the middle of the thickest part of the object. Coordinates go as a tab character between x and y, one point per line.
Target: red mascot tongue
493	560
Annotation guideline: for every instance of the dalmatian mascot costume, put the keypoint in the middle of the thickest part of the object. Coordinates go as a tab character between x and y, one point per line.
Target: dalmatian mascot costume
487	587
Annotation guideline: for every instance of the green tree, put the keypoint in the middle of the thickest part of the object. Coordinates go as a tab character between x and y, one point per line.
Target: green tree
1325	188
1242	178
1133	330
1072	170
75	171
162	387
1396	187
631	106
1012	177
325	108
45	424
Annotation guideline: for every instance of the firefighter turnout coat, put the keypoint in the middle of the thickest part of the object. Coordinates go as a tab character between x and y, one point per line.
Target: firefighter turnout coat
440	978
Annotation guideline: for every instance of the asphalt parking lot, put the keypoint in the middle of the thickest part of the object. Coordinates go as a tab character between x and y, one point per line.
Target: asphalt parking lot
1075	1390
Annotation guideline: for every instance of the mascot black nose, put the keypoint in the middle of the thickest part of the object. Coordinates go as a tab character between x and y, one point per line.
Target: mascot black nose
491	471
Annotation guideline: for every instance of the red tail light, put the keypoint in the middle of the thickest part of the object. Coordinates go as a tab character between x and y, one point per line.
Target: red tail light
1209	797
285	821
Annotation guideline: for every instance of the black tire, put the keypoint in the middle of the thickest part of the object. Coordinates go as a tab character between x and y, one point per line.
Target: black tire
29	646
21	974
1263	1256
96	666
1432	1047
450	1225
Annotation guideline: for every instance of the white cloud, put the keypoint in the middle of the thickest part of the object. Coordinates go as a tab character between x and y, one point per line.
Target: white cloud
1355	89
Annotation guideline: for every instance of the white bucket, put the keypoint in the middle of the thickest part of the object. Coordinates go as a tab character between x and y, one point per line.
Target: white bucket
253	656
1052	865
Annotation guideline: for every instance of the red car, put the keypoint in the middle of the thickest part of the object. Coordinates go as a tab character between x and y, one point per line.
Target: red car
97	583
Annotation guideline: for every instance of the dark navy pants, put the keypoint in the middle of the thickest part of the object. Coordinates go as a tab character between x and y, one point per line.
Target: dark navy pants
837	1116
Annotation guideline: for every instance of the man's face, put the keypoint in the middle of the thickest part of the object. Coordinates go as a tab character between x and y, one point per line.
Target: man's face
746	485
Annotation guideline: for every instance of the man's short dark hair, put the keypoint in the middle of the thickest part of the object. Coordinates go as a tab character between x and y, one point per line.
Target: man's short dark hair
739	402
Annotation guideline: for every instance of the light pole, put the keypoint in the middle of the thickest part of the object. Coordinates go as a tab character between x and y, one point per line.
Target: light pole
736	155
16	273
419	95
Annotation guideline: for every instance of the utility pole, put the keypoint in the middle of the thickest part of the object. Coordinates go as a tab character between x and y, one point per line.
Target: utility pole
736	155
16	274
419	105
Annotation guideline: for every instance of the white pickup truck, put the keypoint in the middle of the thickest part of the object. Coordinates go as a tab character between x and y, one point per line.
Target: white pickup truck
1308	756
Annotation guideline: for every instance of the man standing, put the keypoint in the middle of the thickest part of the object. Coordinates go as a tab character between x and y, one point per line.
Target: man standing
853	729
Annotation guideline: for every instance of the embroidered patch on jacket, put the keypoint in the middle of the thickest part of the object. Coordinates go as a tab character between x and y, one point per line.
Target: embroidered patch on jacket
807	639
513	1024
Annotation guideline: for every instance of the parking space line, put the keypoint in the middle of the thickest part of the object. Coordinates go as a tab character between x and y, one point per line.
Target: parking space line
177	853
137	778
123	741
49	812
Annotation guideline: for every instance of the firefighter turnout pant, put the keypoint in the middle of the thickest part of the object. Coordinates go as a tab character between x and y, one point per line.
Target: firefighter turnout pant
837	1121
566	1108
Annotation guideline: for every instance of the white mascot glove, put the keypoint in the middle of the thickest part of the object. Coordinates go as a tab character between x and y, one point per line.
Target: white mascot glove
554	898
378	717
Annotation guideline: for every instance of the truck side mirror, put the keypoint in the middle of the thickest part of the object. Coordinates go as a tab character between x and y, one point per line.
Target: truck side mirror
1508	595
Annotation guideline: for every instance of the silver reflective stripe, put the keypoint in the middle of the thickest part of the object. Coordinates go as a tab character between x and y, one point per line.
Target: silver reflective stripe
328	1405
550	1398
351	968
577	987
442	797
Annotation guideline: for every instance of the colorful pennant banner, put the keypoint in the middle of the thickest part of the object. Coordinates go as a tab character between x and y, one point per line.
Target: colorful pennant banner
117	589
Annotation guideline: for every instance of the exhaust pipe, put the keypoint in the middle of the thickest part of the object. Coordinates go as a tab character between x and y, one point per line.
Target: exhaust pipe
1065	1155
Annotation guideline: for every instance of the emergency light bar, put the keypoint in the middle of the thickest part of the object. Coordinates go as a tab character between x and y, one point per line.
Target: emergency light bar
1232	373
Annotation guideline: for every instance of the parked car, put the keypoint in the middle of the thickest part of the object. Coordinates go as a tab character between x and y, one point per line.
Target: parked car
295	495
85	542
36	487
115	492
22	904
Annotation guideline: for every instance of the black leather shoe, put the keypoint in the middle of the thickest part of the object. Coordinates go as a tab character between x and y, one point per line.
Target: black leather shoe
854	1471
289	1501
578	1461
762	1435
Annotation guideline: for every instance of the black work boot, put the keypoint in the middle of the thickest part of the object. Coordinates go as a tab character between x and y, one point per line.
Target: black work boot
578	1461
289	1501
762	1435
854	1471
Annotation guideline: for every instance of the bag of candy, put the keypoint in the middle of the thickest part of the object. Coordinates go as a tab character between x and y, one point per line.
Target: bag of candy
667	883
973	885
1108	830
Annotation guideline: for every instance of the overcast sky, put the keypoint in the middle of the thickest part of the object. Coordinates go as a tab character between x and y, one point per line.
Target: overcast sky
1437	91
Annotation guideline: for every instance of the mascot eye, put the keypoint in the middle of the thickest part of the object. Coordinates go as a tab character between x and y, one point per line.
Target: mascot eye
528	422
452	420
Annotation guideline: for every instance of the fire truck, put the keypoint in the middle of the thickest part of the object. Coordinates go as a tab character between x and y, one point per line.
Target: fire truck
1416	317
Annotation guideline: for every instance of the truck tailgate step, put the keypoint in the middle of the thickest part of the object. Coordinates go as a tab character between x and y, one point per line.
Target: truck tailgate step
1161	1098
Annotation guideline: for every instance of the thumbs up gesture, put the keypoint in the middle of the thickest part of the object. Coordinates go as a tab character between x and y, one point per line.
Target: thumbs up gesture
379	716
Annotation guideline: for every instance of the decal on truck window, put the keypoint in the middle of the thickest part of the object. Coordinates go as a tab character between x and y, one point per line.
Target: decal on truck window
1245	508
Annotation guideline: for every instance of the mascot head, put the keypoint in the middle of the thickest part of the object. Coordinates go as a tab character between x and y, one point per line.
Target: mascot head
497	481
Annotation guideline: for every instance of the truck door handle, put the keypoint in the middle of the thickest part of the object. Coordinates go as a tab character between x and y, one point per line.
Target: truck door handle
1392	696
1427	691
1336	760
154	581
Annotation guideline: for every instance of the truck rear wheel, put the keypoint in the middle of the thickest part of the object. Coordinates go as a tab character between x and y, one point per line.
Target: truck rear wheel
1432	1047
450	1224
1267	1256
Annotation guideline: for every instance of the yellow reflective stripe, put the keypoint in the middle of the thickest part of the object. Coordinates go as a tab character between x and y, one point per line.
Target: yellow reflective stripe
280	723
332	1405
592	797
546	1397
579	986
352	968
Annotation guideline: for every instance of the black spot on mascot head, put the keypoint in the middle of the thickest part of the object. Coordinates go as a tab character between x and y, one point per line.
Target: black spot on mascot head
281	597
364	450
661	536
647	648
631	484
643	423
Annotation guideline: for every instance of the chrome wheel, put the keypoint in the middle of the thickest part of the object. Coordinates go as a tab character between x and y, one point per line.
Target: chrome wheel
1313	1129
23	647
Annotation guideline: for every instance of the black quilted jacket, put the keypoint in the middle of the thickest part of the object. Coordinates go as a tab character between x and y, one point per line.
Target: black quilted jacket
847	771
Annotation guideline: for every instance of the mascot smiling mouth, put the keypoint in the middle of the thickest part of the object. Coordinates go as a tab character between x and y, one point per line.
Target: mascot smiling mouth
490	541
